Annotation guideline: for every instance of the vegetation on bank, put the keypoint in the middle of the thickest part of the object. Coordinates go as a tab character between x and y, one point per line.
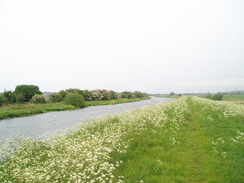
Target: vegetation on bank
112	102
168	96
28	100
20	110
31	93
189	139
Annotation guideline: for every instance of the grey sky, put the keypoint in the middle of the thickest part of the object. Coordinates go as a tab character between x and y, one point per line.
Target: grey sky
151	46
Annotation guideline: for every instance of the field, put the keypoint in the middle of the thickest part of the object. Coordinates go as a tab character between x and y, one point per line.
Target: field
187	140
19	110
233	97
237	99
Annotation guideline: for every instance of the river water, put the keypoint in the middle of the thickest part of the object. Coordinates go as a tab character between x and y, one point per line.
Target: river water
48	123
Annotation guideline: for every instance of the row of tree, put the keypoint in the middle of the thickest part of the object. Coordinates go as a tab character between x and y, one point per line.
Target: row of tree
31	93
96	95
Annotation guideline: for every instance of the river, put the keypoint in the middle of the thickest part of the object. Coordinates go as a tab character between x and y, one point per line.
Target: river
48	123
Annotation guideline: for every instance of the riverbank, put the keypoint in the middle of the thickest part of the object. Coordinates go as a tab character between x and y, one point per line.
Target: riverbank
185	140
168	96
21	110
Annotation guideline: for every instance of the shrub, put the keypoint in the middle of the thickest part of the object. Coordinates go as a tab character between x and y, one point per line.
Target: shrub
218	96
96	95
63	94
38	99
20	98
8	97
27	90
56	97
113	94
127	94
138	94
75	99
208	96
172	93
1	99
105	95
87	95
74	90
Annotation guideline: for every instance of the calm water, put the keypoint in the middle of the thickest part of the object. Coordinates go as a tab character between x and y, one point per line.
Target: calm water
44	124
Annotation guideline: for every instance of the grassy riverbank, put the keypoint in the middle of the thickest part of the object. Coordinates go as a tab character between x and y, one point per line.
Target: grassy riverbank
168	96
112	102
19	110
185	140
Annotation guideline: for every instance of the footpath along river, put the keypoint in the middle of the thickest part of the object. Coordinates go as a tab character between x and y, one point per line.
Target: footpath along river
48	123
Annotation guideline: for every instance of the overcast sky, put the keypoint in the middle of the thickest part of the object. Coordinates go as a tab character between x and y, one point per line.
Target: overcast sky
150	46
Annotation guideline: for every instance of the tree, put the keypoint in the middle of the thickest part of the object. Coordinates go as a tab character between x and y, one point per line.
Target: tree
63	94
27	90
172	93
105	95
113	94
209	96
55	97
75	99
96	95
1	100
138	94
87	95
74	90
8	97
20	98
218	96
38	99
127	94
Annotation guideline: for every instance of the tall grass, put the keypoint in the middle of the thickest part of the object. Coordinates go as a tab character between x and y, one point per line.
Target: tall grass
186	140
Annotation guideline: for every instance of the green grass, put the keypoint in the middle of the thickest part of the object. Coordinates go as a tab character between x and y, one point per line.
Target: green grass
167	96
185	140
237	99
192	159
20	110
233	97
112	102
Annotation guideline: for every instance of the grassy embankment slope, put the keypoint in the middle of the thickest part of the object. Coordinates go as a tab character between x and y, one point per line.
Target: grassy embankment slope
186	140
19	110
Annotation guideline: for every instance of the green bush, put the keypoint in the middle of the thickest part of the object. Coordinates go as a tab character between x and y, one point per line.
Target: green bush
209	96
38	99
27	90
1	99
217	96
8	97
20	98
87	95
75	99
63	94
56	97
127	94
